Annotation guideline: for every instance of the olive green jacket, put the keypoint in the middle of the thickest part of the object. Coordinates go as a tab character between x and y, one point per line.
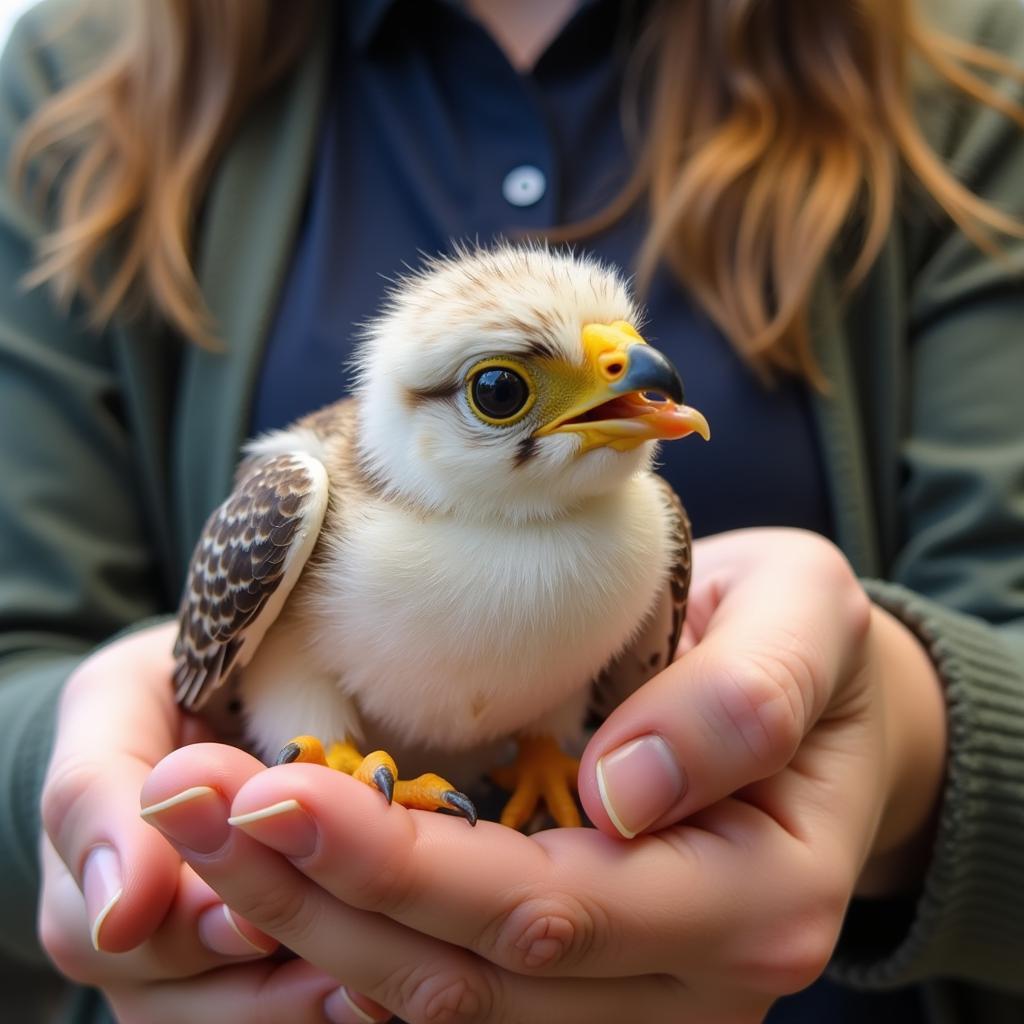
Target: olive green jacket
115	445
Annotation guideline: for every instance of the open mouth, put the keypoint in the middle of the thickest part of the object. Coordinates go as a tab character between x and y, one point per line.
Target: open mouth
623	407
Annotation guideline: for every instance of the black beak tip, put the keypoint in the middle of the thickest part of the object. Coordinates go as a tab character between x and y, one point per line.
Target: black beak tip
650	371
675	392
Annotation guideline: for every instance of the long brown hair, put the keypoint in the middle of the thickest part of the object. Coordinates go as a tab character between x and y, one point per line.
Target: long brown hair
772	124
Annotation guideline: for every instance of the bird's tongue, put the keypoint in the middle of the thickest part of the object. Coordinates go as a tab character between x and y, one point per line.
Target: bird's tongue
654	418
669	420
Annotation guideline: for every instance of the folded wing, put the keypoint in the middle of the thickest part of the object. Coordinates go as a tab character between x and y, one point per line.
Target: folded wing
248	558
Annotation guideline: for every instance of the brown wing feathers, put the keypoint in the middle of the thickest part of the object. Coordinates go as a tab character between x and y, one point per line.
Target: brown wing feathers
237	567
682	567
655	645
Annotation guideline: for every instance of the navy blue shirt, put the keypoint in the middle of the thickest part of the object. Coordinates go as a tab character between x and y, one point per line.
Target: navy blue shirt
430	136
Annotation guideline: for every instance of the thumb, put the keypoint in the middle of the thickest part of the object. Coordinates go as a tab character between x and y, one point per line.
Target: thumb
714	721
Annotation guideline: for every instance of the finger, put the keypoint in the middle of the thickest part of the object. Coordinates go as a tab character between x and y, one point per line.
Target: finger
570	902
735	708
415	976
363	950
117	719
199	933
273	993
292	993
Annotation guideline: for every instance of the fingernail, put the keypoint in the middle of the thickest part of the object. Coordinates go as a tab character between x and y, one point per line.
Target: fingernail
344	1007
222	932
102	888
284	827
638	783
195	818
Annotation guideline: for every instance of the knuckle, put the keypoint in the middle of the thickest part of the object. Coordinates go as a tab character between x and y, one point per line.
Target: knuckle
81	678
812	550
542	935
386	888
858	612
839	580
831	561
451	995
832	575
284	912
763	705
798	951
799	958
66	949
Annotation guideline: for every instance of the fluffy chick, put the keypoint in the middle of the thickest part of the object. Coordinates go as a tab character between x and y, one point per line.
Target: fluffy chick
468	551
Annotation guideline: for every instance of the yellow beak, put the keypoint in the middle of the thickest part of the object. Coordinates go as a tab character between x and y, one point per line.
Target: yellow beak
629	393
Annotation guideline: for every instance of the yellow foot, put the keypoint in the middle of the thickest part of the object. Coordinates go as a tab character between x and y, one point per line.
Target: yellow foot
541	771
428	792
432	793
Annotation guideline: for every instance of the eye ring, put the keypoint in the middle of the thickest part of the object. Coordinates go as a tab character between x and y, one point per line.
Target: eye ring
500	391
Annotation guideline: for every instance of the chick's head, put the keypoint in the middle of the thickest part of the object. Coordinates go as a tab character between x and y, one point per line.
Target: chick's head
513	382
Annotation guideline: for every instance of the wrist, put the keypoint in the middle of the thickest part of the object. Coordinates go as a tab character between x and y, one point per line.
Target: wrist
915	743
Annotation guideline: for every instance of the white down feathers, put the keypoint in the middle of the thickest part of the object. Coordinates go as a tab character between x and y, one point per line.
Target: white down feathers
452	633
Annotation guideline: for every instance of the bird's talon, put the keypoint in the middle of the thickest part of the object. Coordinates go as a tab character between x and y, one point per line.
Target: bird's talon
304	749
430	792
378	769
289	752
384	780
460	804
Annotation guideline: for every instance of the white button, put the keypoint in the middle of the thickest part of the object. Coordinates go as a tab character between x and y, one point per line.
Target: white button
524	186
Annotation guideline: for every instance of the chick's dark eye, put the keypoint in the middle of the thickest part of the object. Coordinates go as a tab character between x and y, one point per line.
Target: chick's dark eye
499	392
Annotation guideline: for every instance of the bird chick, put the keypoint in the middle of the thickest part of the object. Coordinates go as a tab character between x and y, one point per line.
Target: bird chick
471	549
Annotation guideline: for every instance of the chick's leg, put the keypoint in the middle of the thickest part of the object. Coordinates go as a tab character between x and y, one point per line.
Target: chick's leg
428	792
540	772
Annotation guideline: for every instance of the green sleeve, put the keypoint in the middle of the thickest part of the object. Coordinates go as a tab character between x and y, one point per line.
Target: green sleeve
958	580
77	564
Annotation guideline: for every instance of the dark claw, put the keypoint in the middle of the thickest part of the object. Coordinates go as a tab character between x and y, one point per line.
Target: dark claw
385	782
460	804
289	752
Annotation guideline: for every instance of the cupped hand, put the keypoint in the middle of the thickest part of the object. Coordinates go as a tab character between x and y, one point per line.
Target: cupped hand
799	777
113	885
796	694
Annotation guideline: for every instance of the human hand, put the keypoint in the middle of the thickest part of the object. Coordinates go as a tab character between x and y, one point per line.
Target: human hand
785	670
112	884
781	699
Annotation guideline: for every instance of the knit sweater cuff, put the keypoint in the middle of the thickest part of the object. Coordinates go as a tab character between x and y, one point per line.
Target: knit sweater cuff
30	689
968	919
28	703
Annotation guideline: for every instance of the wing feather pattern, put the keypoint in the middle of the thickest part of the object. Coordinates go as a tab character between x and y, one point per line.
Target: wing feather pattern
655	644
248	558
681	570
